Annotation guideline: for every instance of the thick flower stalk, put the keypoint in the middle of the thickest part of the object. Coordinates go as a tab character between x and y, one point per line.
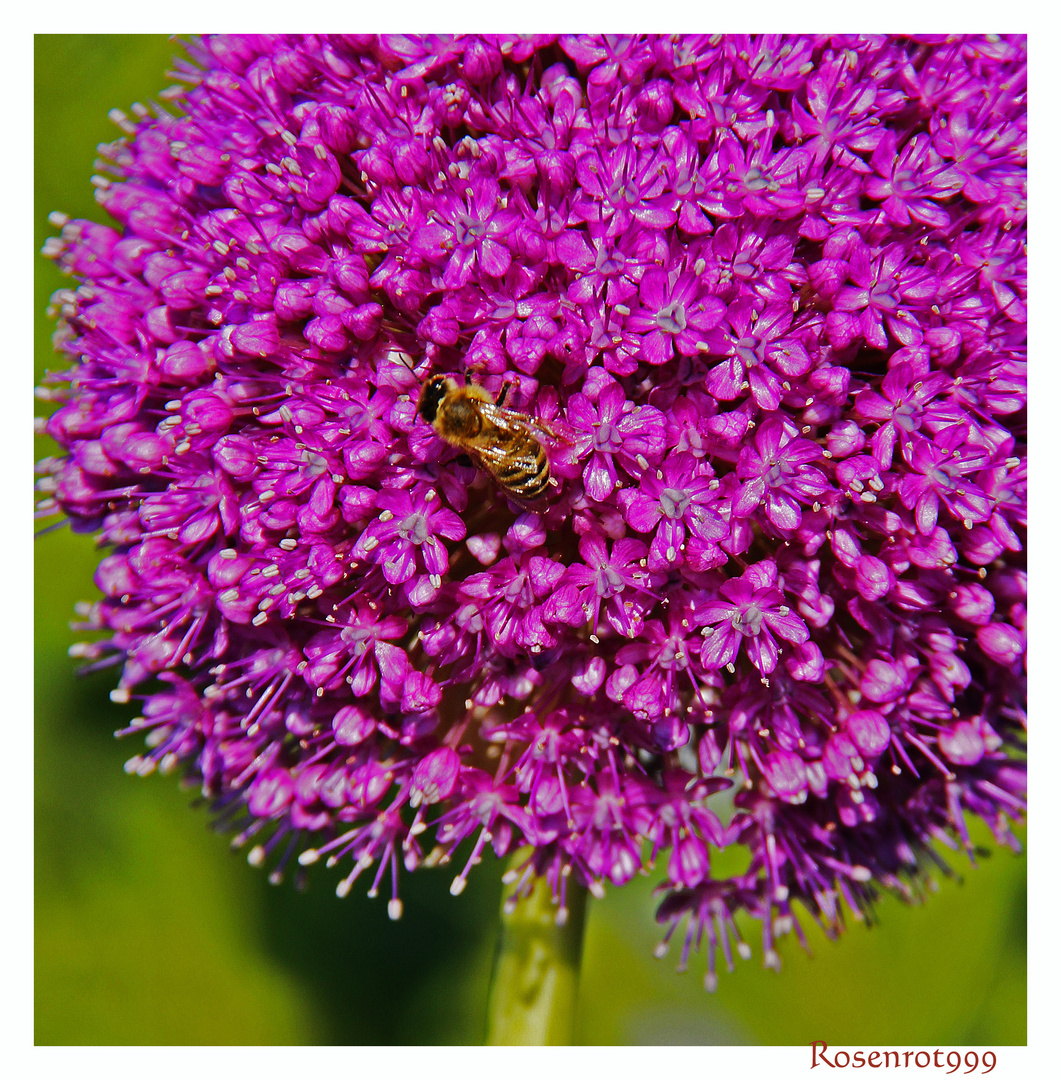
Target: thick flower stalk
769	294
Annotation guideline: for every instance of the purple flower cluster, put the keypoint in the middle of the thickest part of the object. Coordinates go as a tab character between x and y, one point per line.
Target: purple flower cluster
770	294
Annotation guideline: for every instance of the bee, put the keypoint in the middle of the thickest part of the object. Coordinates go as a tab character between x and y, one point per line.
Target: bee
502	441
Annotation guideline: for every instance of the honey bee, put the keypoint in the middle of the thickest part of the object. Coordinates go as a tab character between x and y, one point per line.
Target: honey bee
502	441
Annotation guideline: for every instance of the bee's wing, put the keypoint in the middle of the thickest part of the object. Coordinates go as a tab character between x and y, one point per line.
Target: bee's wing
505	436
498	458
517	422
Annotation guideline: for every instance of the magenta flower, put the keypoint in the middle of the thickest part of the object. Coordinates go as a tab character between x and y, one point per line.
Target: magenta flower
911	183
751	613
901	408
616	434
768	294
620	183
778	476
673	502
883	295
465	230
673	315
609	582
404	541
510	599
761	350
937	474
838	121
753	179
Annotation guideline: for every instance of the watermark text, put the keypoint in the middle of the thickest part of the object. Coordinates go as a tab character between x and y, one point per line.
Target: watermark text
950	1061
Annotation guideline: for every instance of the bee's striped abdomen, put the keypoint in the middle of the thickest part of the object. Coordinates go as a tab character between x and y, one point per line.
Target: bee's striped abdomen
525	474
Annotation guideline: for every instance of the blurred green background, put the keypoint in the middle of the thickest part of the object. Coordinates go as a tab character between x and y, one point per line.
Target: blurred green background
150	930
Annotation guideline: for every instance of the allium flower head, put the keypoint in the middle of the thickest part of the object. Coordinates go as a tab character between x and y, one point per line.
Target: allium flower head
770	295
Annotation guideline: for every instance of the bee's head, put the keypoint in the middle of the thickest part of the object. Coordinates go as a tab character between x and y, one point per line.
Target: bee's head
435	389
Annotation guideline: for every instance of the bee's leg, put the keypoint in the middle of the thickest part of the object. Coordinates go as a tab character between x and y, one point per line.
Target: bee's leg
549	432
504	394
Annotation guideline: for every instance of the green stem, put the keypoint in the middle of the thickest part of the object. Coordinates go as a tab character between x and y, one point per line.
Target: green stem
535	979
